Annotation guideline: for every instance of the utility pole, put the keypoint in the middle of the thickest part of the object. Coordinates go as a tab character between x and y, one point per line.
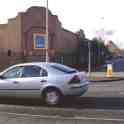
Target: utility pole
47	34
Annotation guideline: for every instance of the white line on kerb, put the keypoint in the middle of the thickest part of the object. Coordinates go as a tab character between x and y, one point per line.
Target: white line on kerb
59	117
100	119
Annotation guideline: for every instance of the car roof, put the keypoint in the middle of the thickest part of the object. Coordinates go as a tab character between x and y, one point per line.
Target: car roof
44	64
33	63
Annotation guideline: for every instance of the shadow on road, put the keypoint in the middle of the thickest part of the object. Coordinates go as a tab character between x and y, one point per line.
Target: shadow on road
97	103
25	102
81	103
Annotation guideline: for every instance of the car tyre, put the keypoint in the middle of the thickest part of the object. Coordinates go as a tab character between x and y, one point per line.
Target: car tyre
52	97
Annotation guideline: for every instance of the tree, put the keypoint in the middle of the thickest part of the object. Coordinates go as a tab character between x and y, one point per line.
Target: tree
100	52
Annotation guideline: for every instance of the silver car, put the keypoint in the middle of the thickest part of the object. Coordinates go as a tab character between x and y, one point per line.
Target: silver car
49	81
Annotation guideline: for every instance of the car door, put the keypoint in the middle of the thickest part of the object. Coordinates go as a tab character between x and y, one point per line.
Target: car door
8	83
31	81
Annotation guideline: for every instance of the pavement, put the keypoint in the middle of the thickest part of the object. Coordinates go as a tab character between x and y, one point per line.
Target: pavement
102	76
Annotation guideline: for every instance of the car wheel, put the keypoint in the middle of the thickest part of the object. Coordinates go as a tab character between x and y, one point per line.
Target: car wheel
52	97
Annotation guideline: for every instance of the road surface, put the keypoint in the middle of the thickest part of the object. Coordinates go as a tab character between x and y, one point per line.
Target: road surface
102	104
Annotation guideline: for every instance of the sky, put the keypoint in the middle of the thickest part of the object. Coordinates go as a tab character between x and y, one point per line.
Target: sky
95	17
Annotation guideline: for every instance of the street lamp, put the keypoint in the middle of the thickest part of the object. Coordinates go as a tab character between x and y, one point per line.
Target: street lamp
47	34
89	58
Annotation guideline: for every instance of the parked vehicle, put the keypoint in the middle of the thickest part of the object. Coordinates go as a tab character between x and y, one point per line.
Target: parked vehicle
49	81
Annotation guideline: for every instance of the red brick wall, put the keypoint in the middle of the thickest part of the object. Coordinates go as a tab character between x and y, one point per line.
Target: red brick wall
33	21
18	35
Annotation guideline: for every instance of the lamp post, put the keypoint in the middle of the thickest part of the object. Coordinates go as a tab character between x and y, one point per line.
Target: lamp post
89	58
47	34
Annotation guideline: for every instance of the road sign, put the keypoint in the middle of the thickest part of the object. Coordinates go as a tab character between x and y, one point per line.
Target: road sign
39	41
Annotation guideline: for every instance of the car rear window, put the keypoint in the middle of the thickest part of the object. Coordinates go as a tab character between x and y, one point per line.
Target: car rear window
63	68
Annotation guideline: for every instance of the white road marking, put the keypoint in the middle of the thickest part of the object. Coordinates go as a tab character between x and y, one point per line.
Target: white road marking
59	117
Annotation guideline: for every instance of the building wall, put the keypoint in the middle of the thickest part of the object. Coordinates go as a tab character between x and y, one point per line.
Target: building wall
36	17
60	40
9	34
3	36
68	41
17	36
10	43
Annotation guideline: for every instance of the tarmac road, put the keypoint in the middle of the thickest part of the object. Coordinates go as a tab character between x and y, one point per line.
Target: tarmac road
103	103
106	89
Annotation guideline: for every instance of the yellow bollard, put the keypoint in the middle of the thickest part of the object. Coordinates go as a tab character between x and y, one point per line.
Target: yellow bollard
109	70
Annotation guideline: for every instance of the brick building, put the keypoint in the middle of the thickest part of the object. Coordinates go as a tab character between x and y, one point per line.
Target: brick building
18	35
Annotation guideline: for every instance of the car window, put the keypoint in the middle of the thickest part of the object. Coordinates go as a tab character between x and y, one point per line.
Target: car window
63	68
13	73
43	73
33	71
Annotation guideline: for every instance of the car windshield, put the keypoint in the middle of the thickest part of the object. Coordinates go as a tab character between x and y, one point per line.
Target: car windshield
63	68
